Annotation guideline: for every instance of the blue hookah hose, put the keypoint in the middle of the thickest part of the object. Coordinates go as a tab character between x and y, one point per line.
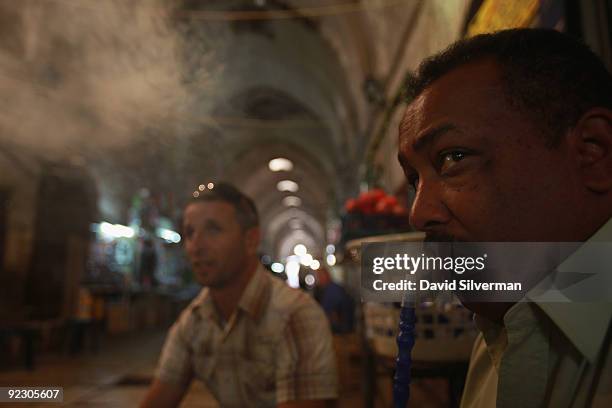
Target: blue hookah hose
405	342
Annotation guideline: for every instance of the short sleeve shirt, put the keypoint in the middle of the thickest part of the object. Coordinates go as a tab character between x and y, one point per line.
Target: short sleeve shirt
276	347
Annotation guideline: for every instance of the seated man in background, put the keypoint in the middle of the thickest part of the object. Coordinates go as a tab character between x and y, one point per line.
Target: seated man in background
248	336
509	138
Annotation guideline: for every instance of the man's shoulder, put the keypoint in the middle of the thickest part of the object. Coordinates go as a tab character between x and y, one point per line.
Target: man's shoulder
197	301
288	299
189	313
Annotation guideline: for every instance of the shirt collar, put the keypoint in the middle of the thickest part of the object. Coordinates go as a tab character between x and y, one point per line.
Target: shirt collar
257	294
253	300
584	324
203	307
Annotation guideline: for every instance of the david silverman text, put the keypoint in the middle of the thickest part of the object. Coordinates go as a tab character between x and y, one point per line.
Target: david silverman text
464	284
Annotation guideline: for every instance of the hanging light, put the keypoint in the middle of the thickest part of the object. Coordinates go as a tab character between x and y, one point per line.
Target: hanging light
306	259
292	201
331	259
280	164
300	250
309	279
277	267
287	185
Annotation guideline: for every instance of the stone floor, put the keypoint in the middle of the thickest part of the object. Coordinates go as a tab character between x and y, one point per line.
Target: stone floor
118	375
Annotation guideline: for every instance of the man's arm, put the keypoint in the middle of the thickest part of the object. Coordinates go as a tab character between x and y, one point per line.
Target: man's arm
164	395
306	371
174	370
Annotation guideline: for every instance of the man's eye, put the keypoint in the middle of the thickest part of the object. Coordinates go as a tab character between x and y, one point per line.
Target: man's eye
212	229
450	158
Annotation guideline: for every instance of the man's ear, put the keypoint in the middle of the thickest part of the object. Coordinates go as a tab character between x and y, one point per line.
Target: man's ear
591	143
252	239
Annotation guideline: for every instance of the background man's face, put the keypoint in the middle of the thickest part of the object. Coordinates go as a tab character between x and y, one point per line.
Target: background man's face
482	171
214	242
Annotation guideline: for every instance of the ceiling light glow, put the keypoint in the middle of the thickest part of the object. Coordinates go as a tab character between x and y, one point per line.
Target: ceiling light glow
287	185
292	201
277	267
331	259
300	250
280	164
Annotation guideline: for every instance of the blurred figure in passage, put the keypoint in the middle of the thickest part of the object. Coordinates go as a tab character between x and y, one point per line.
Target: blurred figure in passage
148	264
335	301
251	339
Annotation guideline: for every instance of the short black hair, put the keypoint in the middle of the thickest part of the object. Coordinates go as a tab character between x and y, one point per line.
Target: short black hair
549	76
246	211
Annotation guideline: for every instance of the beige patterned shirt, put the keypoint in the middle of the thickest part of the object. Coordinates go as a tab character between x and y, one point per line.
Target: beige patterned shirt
276	347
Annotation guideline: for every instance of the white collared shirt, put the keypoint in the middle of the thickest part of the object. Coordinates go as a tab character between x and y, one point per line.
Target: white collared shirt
546	354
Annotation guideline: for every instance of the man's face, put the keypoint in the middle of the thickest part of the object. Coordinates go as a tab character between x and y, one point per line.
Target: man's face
215	242
481	170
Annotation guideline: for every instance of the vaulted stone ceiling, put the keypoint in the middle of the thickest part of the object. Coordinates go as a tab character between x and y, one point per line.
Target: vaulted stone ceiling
214	90
293	86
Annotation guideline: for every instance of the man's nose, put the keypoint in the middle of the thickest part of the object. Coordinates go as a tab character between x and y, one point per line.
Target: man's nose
428	210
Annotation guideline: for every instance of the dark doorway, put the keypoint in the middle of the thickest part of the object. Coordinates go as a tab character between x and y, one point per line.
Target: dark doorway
65	209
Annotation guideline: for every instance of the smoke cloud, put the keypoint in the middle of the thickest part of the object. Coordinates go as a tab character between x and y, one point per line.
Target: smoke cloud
79	76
